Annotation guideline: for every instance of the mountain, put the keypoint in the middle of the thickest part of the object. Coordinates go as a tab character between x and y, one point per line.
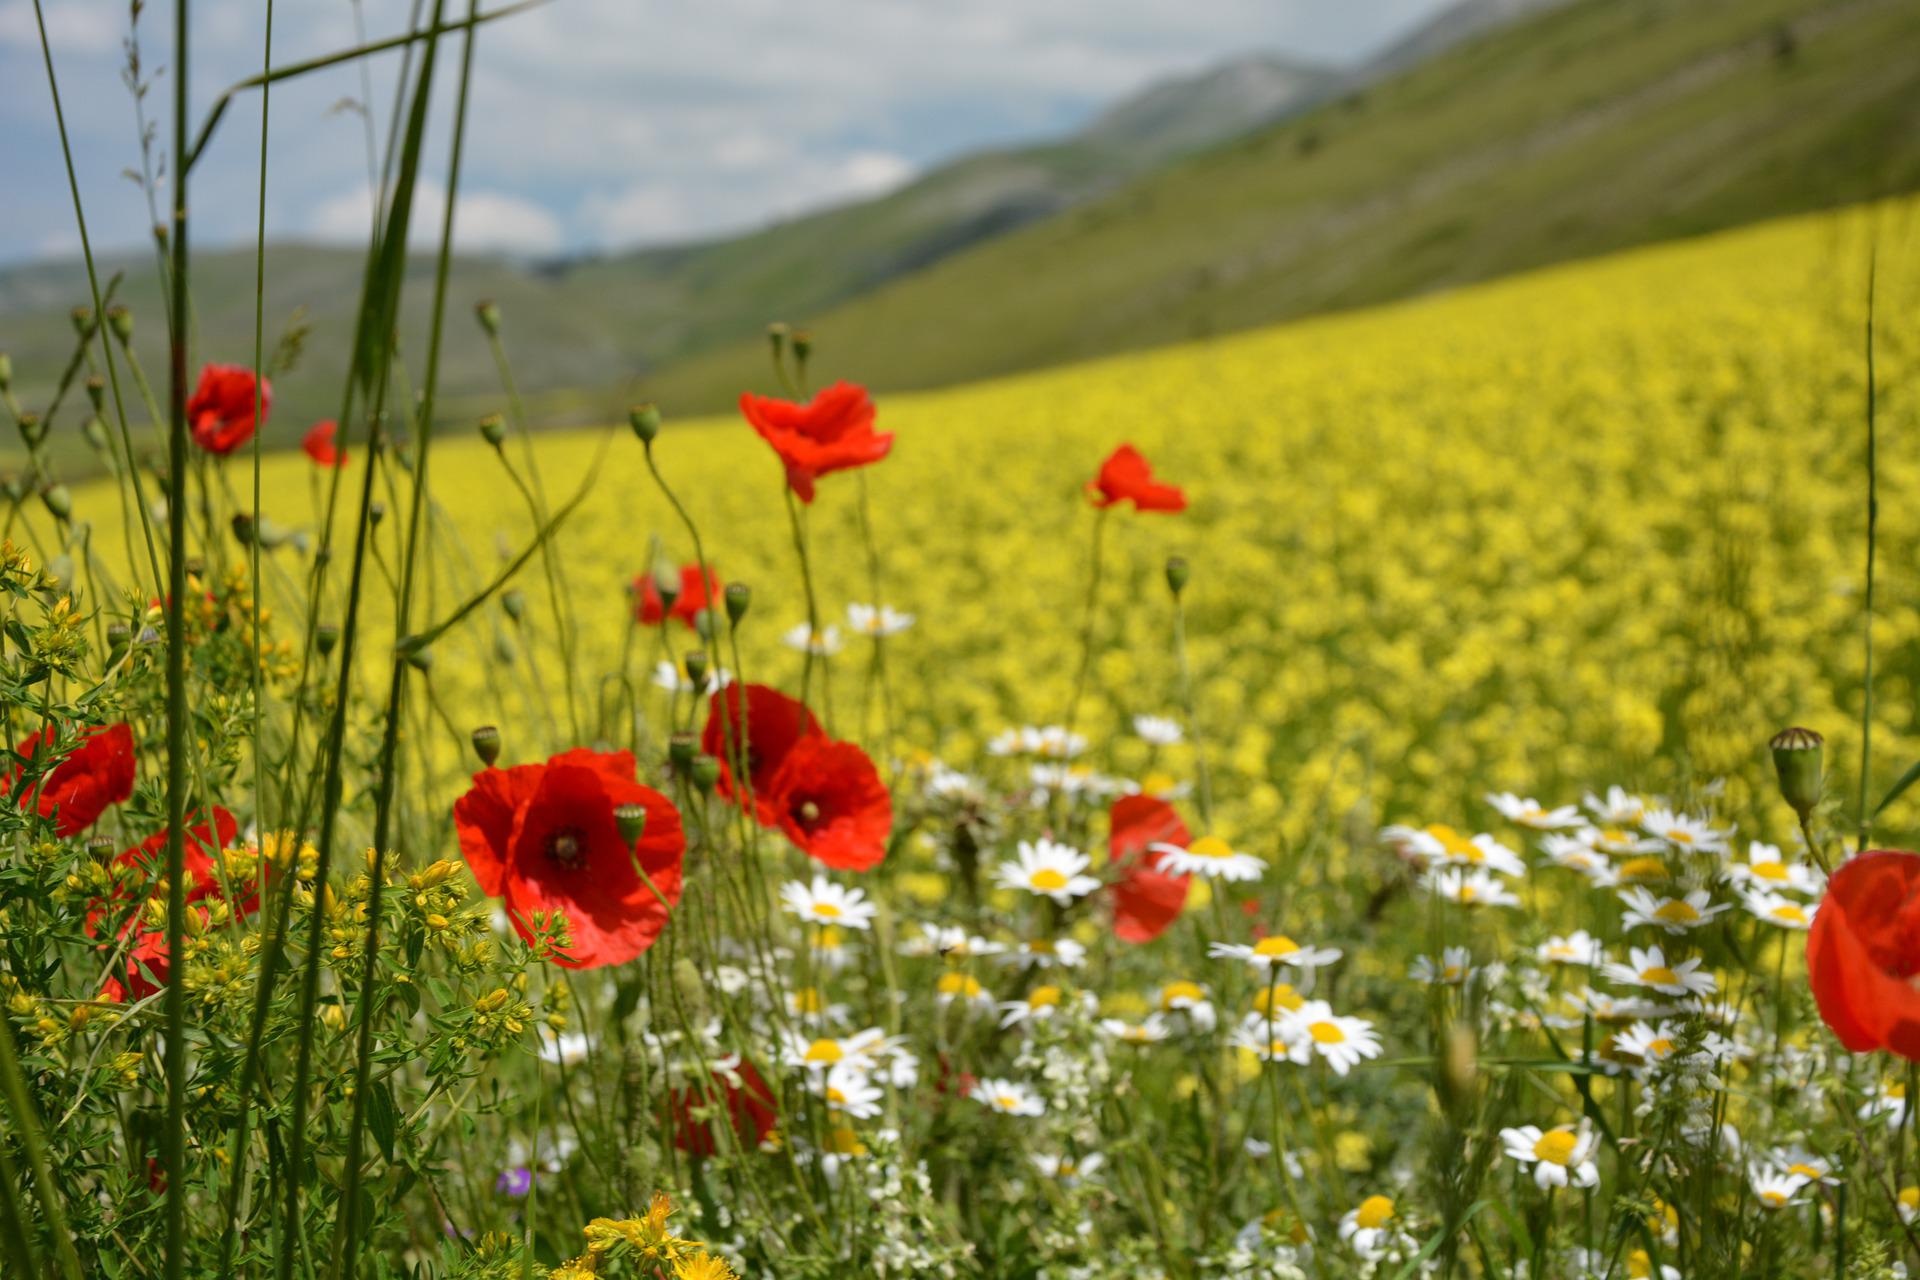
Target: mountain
1454	25
585	322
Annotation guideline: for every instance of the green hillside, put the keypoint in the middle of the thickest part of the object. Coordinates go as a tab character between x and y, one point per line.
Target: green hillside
1584	129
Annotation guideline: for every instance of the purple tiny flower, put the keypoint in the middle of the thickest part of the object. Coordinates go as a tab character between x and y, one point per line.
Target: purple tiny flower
514	1182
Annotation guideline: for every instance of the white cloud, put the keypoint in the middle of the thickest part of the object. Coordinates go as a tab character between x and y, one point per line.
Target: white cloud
73	26
483	221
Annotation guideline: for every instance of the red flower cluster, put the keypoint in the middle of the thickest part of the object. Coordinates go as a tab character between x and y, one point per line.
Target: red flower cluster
831	432
221	413
1145	899
824	794
146	963
94	774
696	593
1126	477
322	444
1863	953
544	838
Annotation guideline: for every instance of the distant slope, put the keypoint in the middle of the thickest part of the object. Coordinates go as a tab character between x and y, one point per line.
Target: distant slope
1582	129
594	322
1454	25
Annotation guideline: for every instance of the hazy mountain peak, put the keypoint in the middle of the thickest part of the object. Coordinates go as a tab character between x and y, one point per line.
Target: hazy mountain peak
1190	112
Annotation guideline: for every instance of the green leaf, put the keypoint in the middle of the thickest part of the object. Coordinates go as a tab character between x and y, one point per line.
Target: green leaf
382	1116
1907	779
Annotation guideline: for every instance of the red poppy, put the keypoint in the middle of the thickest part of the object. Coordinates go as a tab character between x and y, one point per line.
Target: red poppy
96	772
830	801
775	723
221	413
144	967
1145	899
543	837
1126	477
749	1104
696	593
1863	953
199	849
321	444
831	432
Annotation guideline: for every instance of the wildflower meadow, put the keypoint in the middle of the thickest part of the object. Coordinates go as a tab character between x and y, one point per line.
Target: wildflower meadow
1413	792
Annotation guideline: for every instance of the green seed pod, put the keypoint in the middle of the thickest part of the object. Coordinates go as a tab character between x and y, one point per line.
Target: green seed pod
95	432
376	512
82	320
6	371
493	429
695	665
96	391
58	501
119	636
243	528
645	421
681	749
777	339
632	821
488	314
503	651
32	430
706	772
486	744
1798	760
1177	574
739	595
120	320
325	637
420	659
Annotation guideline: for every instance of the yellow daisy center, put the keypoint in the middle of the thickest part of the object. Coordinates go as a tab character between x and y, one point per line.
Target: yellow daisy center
1156	784
1639	1265
1466	892
1174	992
1678	911
1280	995
1769	870
1808	1171
1659	1048
959	984
1774	1198
1680	837
1790	912
1910	1197
1643	869
846	1142
808	1000
1556	1146
1274	946
1006	1102
1327	1033
827	909
1043	998
1657	976
825	1051
1373	1213
1047	880
1210	847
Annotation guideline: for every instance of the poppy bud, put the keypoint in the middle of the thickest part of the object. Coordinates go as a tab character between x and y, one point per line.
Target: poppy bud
706	772
802	347
493	429
1177	574
486	744
119	634
703	624
739	596
645	421
325	636
120	320
58	500
376	512
632	821
1797	758
420	658
514	601
777	339
96	433
488	313
96	390
243	528
695	664
31	429
681	748
82	318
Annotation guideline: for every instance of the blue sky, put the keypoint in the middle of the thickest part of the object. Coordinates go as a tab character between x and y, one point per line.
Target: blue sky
611	123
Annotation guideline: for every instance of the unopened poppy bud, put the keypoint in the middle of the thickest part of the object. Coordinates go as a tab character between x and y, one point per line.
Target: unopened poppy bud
645	421
243	528
681	748
706	772
82	318
632	821
493	429
96	390
802	346
514	601
488	313
1177	574
58	500
31	429
1798	759
692	990
325	636
95	432
739	596
695	664
777	339
376	512
486	744
703	620
120	320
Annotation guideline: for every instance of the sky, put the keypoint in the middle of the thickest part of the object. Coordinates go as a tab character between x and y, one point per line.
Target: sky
601	124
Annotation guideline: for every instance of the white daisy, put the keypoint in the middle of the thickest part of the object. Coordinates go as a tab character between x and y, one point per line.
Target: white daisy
823	643
1441	845
824	902
1778	909
1189	1000
827	1052
1342	1041
1776	1189
1151	1029
1812	1167
954	985
1068	1170
1529	812
1576	854
1651	969
848	1089
1159	731
1621	841
1650	1045
1050	870
565	1049
806	1004
1683	832
1273	1039
668	675
1007	1097
1046	953
1675	915
1210	858
1578	947
1052	741
1560	1156
1767	870
1040	1003
1368	1228
881	620
950	941
1469	888
1274	949
1454	968
1619	807
1890	1101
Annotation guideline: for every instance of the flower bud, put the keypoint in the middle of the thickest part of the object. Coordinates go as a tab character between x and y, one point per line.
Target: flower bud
96	390
645	421
1177	574
738	595
632	821
102	850
802	347
514	601
120	320
1797	758
681	749
488	313
493	429
58	501
243	528
32	429
706	772
119	636
695	665
95	432
486	744
325	636
376	512
777	339
82	318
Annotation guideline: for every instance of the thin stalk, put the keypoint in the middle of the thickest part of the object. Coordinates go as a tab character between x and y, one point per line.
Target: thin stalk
1873	518
26	1124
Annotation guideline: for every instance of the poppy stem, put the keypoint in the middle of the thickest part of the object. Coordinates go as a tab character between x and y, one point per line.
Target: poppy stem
813	608
1873	517
1086	630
